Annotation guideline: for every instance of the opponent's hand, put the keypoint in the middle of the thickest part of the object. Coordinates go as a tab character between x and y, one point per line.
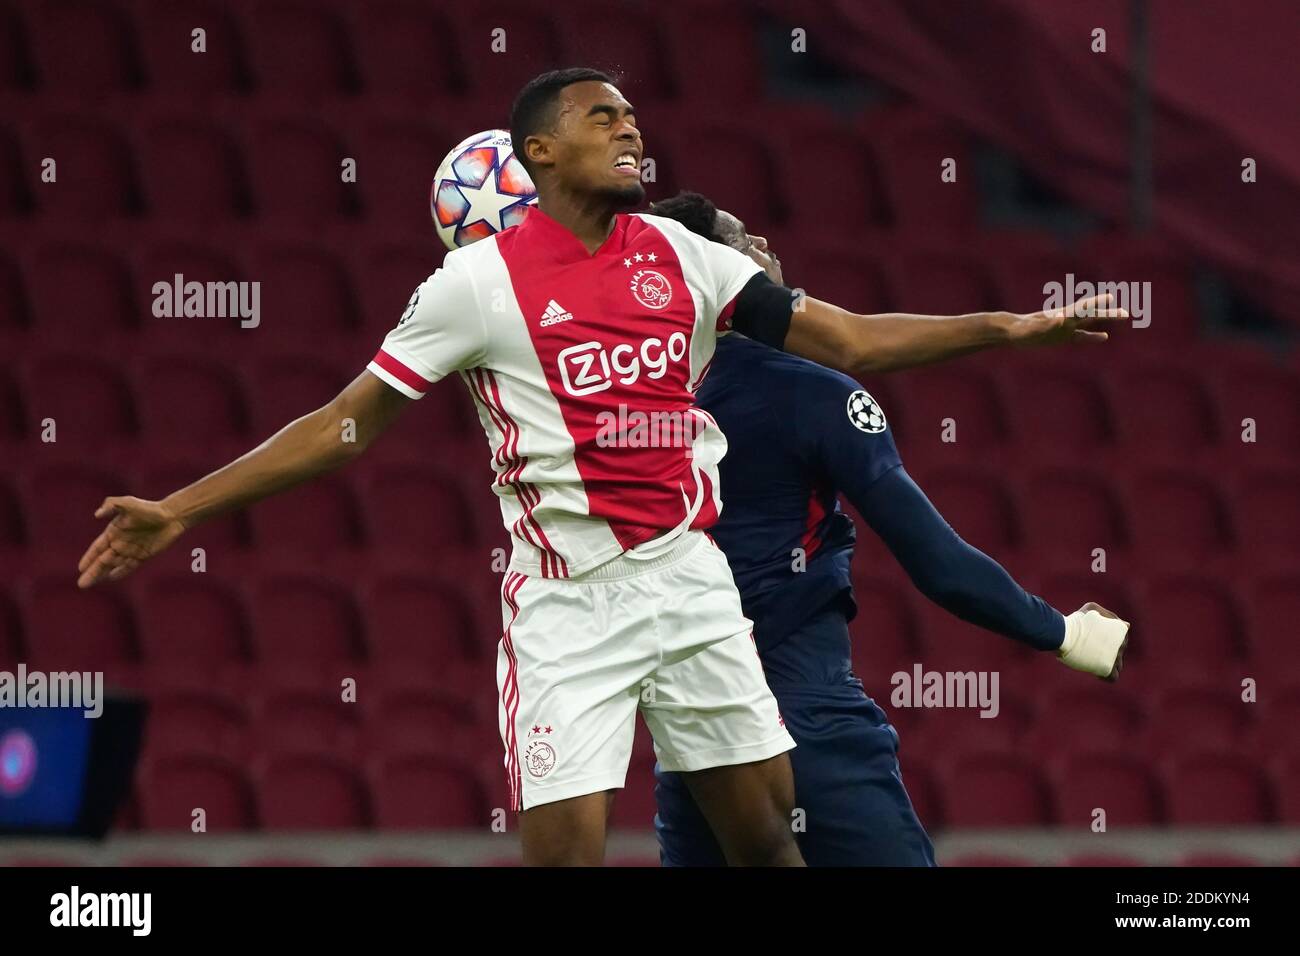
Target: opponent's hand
138	530
1095	640
1080	321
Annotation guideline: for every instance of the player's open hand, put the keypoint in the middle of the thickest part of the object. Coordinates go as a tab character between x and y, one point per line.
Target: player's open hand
1095	640
1081	321
138	530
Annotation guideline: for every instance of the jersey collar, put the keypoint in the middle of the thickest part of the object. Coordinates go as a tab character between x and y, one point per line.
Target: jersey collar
561	245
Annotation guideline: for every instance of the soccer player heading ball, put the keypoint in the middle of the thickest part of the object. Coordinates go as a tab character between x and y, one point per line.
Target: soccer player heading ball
615	600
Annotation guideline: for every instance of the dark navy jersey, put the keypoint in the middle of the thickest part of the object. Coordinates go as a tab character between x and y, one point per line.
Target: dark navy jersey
799	434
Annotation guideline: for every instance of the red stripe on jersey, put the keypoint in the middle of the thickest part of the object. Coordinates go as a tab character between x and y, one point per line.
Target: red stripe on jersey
483	384
400	372
562	568
617	354
510	691
816	514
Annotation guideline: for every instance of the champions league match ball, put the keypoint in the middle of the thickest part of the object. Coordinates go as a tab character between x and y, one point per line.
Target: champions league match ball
480	189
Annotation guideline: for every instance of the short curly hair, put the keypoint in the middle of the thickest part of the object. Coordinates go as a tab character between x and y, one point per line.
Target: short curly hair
694	211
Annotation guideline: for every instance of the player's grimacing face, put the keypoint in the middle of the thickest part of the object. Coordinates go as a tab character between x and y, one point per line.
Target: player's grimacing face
732	231
597	146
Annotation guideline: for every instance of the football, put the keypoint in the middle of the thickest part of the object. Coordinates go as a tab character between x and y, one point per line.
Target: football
480	189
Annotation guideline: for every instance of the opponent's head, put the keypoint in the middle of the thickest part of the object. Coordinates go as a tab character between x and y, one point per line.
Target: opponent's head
575	133
700	216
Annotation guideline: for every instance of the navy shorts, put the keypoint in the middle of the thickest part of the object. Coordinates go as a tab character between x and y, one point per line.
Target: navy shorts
856	811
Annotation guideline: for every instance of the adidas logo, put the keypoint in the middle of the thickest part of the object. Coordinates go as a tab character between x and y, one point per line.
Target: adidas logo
555	314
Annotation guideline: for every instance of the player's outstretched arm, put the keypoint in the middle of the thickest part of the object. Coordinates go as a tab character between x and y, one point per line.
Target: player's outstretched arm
968	583
862	344
316	443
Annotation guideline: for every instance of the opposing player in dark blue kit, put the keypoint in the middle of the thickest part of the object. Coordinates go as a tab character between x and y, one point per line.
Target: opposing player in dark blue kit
799	435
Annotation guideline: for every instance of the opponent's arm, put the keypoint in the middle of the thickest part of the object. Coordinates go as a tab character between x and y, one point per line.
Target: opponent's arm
968	583
303	449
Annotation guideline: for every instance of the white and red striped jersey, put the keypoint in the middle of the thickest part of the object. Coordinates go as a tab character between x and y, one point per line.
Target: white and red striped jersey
584	368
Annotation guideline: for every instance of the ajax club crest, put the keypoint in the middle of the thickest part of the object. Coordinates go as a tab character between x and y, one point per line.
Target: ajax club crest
651	289
539	757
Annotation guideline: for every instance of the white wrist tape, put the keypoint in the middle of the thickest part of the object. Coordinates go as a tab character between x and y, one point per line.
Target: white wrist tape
1092	642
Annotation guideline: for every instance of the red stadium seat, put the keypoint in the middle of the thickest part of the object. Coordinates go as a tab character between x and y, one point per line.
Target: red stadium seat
731	163
13	534
64	277
84	46
841	277
87	398
195	723
885	630
321	516
713	52
531	46
191	620
311	792
1121	785
300	618
15	200
995	790
634	805
977	504
81	630
629	45
1217	789
405	49
1267	511
182	397
1274	610
1165	408
165	29
813	140
1072	511
1286	781
296	165
1060	405
17	71
192	170
299	47
418	510
1206	717
283	387
423	720
172	788
306	295
959	403
96	174
1192	624
416	621
12	647
911	149
1174	512
1269	396
397	156
315	720
59	501
934	281
1078	718
420	791
986	860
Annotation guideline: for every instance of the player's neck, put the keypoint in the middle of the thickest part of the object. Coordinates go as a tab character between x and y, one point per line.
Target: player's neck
589	218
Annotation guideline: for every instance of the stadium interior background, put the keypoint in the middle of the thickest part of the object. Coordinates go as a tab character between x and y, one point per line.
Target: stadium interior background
1122	165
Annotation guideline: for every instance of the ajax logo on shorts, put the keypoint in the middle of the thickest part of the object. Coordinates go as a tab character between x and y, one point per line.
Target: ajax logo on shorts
539	757
865	413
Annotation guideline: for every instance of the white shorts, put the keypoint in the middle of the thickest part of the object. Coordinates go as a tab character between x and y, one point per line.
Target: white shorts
666	636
